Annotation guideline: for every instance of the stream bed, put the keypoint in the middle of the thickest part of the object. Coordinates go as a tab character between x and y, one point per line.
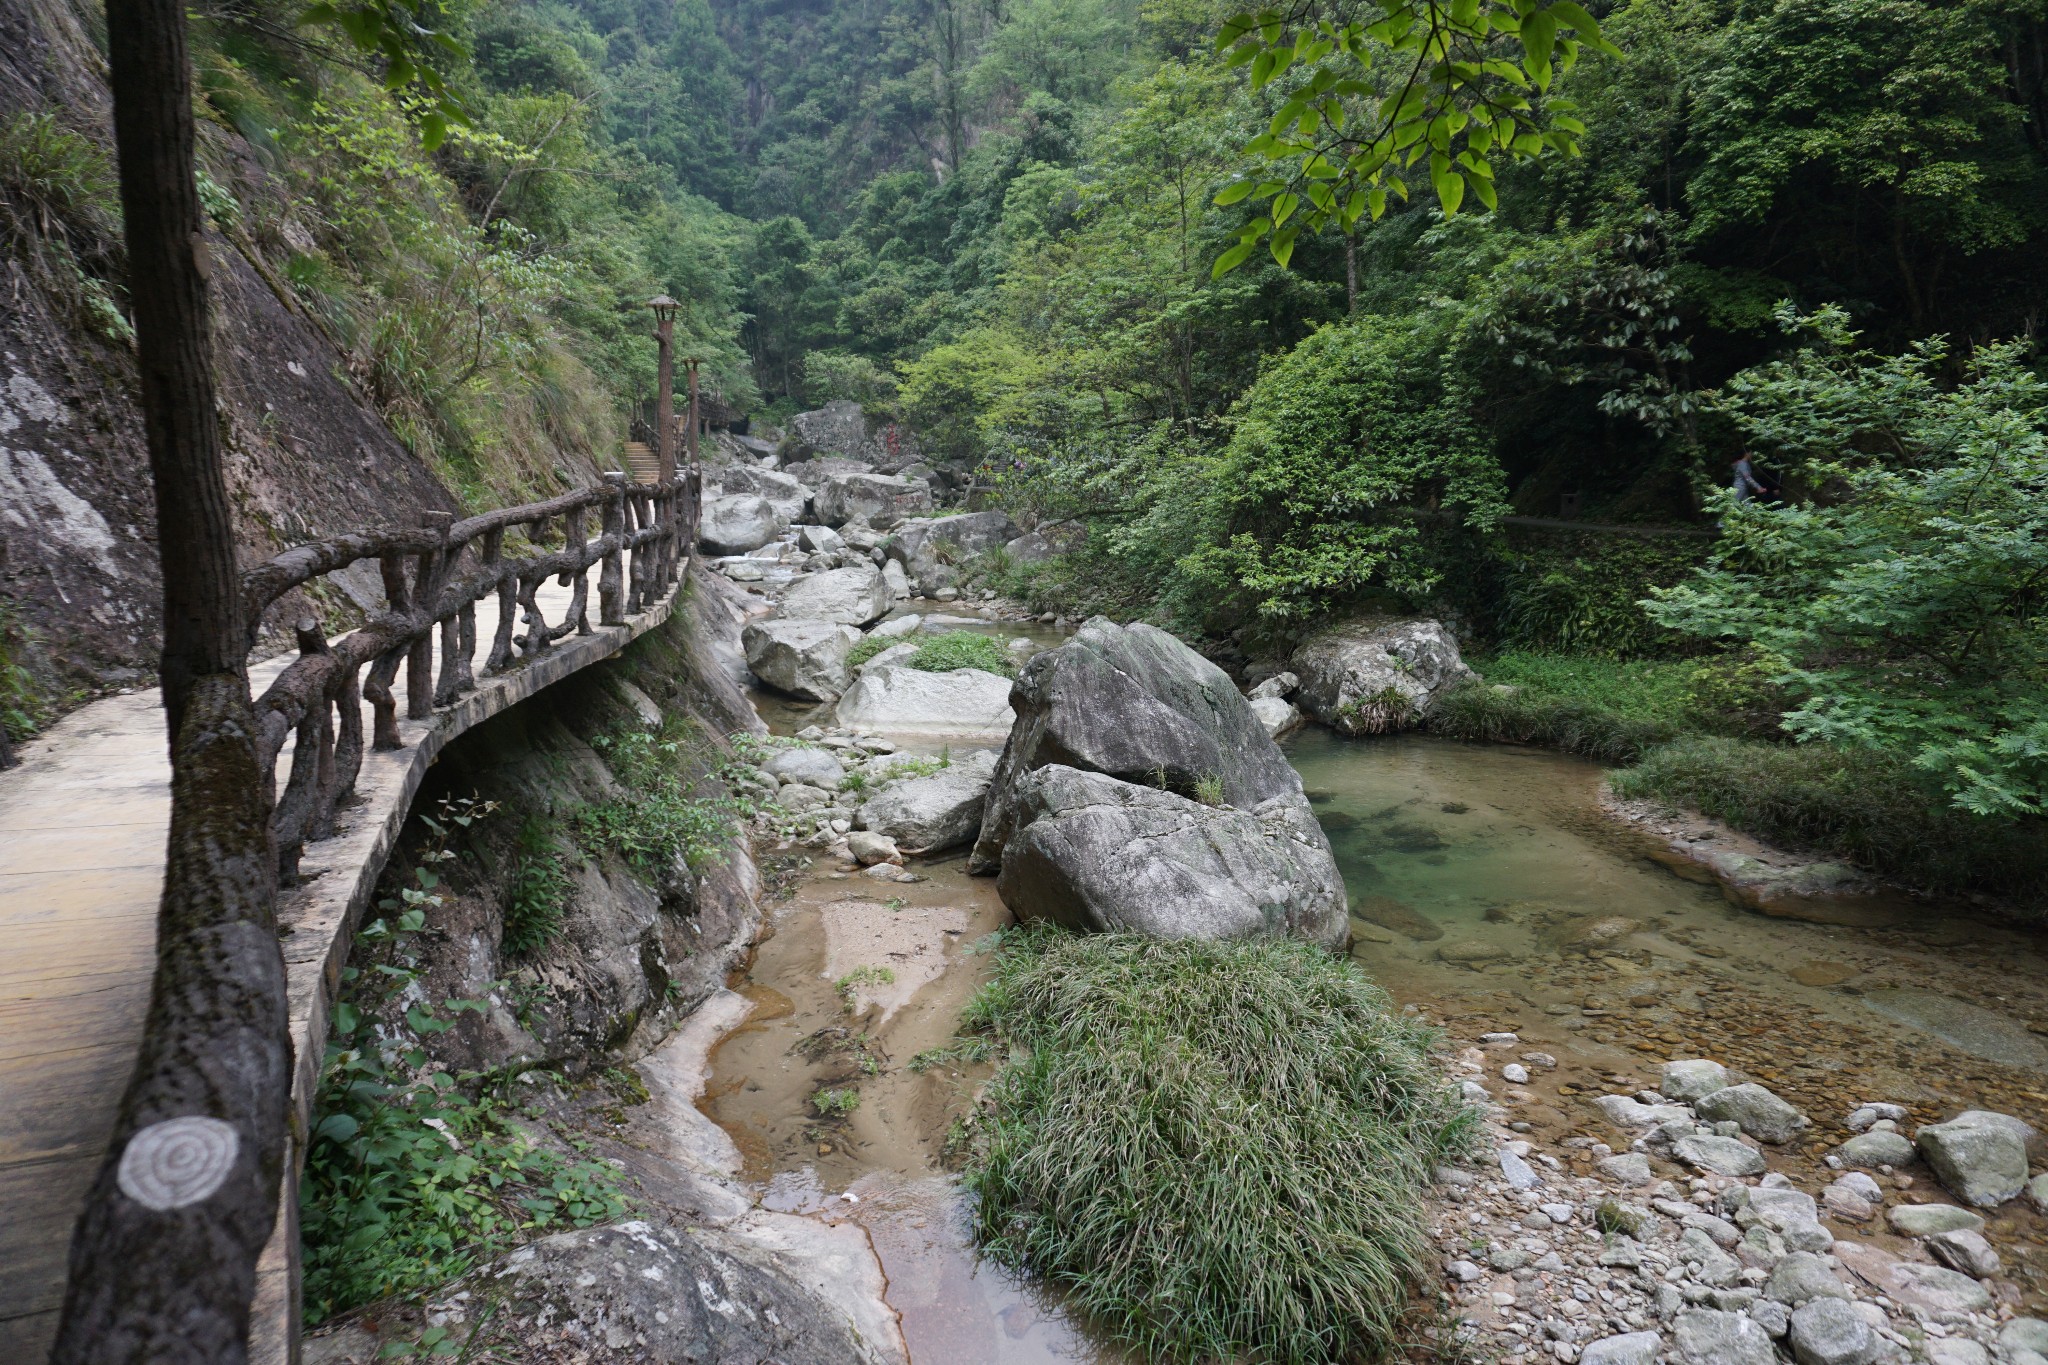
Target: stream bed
1490	892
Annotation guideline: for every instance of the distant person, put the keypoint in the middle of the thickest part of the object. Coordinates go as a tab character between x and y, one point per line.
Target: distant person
1747	484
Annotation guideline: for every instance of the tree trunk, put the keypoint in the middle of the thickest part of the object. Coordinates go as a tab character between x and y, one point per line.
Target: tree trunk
1351	273
163	1261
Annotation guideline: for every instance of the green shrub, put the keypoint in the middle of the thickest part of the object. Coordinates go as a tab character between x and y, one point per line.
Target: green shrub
1353	470
1585	595
414	1175
1218	1149
539	892
1649	690
1872	808
962	649
657	821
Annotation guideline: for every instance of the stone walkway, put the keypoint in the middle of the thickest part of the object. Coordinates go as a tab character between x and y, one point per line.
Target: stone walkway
83	825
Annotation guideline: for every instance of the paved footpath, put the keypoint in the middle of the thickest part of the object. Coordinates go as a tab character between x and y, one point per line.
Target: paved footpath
83	825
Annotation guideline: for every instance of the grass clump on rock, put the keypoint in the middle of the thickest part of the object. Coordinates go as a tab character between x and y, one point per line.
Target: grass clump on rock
1218	1149
962	649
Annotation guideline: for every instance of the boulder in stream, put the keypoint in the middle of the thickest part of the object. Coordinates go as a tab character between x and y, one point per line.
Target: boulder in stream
788	497
1095	853
739	523
1166	806
1979	1155
852	597
897	699
881	500
802	658
931	548
927	815
662	1296
1376	675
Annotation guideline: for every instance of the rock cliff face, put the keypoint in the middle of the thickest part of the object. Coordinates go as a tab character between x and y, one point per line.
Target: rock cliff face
306	456
634	948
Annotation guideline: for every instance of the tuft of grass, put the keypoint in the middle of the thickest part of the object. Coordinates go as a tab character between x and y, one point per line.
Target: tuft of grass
962	649
1870	808
1209	789
1497	715
833	1102
849	985
868	649
64	174
1219	1149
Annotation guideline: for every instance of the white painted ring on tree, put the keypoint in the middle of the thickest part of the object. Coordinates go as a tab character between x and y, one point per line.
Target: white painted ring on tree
178	1162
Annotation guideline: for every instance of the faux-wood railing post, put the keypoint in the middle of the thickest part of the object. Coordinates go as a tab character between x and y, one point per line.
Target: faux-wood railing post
508	598
377	686
312	764
636	569
577	538
419	660
611	605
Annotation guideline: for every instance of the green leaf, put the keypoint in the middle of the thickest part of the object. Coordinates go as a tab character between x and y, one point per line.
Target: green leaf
1233	193
336	1128
346	1017
1230	260
1283	248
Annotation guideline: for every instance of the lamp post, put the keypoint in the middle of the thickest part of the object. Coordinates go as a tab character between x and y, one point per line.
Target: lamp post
664	398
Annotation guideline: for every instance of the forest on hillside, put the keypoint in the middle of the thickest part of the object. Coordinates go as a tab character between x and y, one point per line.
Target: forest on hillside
1812	231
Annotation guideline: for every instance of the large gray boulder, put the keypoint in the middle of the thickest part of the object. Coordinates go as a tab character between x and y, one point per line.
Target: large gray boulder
1632	1348
636	1292
1095	853
930	549
1127	724
898	699
738	523
1979	1155
841	429
785	494
804	658
971	533
1376	675
1827	1331
1136	704
806	767
881	500
927	815
852	596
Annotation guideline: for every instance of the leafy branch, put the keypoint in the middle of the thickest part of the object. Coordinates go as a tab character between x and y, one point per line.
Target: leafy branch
1470	88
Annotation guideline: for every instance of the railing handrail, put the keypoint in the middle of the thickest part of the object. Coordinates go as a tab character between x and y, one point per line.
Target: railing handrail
434	575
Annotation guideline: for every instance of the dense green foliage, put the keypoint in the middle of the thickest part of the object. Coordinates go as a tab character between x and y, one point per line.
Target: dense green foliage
1906	604
1220	1149
659	821
414	1174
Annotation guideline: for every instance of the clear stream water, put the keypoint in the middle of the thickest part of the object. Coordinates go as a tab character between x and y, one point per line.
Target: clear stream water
1493	894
